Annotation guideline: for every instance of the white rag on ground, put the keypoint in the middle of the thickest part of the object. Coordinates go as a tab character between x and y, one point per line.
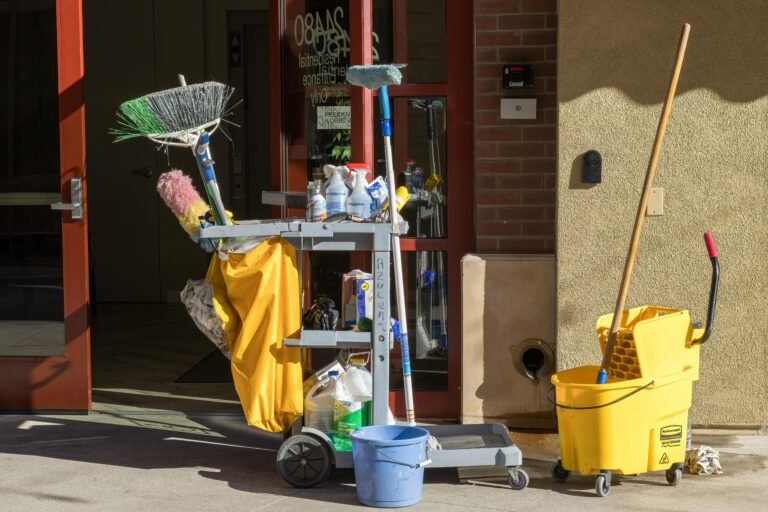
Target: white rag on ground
704	461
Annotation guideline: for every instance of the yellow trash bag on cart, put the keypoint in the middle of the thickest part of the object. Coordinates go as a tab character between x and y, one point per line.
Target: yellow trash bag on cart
257	297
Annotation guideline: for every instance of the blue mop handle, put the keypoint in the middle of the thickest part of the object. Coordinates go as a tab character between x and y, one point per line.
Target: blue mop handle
204	160
386	125
386	131
205	163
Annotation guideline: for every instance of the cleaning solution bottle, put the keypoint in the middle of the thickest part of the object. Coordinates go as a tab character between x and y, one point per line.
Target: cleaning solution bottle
359	203
352	404
345	416
358	382
316	204
319	403
336	195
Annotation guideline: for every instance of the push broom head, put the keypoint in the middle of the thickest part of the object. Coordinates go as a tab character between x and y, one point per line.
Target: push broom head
174	116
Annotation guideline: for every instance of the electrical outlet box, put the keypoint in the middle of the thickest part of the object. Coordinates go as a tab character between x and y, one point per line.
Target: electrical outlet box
518	108
655	203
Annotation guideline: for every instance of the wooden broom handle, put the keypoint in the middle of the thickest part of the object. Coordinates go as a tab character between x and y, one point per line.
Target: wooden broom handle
641	208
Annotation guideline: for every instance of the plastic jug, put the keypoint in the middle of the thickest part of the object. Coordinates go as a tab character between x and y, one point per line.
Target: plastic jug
350	412
319	403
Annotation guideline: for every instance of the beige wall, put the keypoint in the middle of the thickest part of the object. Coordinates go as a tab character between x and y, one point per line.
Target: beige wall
507	308
615	59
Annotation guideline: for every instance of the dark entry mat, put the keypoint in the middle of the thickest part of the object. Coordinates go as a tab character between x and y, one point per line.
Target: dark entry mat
213	368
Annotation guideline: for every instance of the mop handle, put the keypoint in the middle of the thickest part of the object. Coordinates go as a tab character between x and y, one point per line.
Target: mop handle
431	134
386	131
602	374
202	152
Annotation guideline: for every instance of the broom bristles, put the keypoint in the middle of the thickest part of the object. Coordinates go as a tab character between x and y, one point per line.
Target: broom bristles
173	111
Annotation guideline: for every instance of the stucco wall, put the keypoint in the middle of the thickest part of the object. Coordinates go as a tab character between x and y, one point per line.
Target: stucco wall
615	60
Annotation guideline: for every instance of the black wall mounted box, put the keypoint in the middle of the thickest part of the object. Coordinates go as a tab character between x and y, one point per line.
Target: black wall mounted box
517	76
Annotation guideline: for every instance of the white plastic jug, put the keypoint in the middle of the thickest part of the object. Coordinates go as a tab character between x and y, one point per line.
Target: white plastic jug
358	382
318	405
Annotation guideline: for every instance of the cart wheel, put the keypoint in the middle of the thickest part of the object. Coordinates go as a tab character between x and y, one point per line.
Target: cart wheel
518	479
674	476
303	461
559	473
603	484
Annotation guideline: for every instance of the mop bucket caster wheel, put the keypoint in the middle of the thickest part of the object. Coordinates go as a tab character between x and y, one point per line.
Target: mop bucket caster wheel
518	479
603	484
674	476
559	473
303	461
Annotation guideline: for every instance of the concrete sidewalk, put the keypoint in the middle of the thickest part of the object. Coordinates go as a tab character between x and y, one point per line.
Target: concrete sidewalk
212	462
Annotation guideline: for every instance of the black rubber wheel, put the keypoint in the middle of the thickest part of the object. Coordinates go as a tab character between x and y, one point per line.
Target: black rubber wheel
303	461
559	473
674	476
603	484
518	479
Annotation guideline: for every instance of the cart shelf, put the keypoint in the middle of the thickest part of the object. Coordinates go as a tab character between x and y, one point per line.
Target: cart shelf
331	339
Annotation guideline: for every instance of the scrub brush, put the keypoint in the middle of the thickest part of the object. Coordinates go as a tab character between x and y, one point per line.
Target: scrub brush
184	116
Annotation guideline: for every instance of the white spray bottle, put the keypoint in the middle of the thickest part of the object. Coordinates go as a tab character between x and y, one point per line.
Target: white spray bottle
359	203
336	193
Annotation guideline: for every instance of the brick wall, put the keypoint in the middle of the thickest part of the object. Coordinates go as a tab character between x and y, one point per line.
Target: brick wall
515	161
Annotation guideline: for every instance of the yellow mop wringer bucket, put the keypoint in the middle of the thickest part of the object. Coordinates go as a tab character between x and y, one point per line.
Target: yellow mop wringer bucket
638	421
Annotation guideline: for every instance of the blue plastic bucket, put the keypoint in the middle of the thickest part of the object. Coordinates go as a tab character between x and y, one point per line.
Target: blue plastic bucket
389	464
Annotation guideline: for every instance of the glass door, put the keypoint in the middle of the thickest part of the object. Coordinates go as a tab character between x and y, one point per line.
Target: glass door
432	150
44	362
432	146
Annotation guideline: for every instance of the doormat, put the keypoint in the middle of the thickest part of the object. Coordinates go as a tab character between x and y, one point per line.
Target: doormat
213	368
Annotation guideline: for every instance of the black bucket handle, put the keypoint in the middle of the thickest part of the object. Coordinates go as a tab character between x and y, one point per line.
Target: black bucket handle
712	250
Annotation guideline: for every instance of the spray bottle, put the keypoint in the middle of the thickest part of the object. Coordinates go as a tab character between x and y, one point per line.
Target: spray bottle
336	193
359	203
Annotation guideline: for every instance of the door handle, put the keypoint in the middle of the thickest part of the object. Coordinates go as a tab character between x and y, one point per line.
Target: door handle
146	171
76	206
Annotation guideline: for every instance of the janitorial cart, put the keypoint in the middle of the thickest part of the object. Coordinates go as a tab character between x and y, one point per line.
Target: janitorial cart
638	420
308	454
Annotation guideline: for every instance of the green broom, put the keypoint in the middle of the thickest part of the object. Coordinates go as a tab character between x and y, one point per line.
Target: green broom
185	116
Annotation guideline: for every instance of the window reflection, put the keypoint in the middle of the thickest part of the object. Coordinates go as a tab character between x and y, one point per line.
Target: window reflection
316	95
31	292
427	303
419	150
421	42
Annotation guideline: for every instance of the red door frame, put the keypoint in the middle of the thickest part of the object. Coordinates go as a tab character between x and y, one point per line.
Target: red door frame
458	91
62	383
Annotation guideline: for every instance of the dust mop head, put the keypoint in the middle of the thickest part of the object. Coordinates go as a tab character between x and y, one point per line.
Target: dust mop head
374	76
179	194
173	114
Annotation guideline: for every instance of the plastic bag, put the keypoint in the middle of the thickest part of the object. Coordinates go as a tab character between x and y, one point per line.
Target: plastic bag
322	316
704	461
197	297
